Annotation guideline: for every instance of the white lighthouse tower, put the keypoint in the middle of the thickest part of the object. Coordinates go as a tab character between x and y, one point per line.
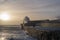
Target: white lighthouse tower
26	19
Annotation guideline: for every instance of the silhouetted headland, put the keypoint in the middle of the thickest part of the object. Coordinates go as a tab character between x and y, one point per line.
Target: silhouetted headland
42	29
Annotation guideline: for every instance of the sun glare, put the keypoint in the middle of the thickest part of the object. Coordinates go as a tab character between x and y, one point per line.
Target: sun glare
2	38
4	16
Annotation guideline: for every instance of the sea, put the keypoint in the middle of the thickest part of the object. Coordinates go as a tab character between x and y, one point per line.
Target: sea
13	32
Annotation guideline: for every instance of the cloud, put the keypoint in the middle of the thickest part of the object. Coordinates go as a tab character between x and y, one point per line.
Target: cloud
58	17
3	1
40	7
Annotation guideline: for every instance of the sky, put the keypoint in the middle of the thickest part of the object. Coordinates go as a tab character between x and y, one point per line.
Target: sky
35	9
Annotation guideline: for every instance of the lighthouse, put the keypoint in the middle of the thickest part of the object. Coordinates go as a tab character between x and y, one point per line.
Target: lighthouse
26	19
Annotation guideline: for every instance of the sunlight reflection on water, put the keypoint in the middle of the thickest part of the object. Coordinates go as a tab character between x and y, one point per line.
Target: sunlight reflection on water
4	36
6	33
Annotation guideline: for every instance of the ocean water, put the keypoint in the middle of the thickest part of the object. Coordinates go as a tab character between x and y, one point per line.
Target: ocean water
15	33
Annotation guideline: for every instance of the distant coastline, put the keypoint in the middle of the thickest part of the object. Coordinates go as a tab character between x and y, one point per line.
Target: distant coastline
9	25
